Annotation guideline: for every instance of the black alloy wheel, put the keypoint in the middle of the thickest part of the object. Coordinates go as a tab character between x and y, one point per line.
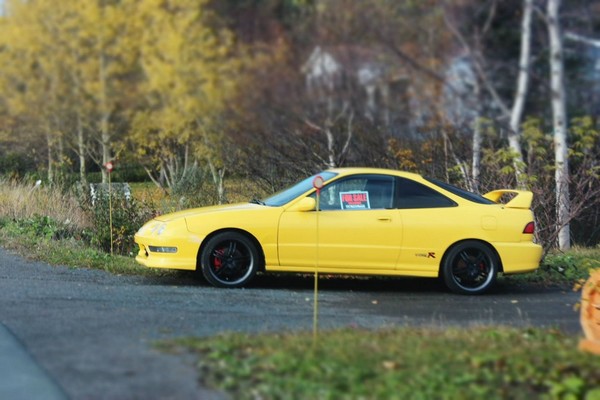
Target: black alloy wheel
471	267
229	259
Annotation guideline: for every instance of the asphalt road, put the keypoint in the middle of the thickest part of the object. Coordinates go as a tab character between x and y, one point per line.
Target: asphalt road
93	333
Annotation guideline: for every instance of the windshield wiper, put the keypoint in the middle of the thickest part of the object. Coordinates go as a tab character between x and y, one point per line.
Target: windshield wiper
257	201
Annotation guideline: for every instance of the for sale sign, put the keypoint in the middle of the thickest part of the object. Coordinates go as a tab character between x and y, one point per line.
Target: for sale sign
355	200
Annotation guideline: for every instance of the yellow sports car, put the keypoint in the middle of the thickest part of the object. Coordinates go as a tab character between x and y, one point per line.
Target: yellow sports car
358	221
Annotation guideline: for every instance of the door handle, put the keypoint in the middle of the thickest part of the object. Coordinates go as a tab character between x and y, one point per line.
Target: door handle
384	219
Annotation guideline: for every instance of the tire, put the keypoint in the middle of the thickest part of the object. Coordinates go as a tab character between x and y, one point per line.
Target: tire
470	267
229	260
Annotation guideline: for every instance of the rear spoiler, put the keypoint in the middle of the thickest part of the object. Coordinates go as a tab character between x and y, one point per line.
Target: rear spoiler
522	199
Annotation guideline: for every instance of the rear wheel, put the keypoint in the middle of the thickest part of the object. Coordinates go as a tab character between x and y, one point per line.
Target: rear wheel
470	267
229	259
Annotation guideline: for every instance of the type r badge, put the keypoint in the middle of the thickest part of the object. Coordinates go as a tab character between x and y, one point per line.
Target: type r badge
431	254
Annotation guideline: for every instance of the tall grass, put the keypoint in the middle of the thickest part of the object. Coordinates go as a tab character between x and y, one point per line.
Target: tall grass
19	201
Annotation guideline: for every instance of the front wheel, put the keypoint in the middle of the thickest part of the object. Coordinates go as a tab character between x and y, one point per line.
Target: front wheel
229	259
470	268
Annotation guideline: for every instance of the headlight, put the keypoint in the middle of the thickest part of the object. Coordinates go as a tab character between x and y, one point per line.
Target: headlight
158	229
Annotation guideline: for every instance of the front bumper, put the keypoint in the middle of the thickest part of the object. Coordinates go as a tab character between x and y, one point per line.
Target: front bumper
184	258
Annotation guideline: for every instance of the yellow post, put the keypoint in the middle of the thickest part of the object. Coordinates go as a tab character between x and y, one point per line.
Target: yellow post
110	212
316	293
317	184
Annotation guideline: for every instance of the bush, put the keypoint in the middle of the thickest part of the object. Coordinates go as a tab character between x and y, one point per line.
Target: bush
571	266
191	189
127	217
47	227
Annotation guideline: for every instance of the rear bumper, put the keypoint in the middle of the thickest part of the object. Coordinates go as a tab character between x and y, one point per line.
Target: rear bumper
518	258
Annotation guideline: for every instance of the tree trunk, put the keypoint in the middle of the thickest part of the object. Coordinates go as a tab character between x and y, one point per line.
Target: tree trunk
81	151
50	158
559	114
476	167
103	100
104	117
218	175
477	140
514	135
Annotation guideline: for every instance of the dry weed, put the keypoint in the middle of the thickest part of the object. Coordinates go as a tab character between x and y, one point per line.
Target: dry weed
19	201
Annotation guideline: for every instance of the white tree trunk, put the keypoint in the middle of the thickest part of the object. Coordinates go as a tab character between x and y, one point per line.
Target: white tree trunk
516	114
476	167
330	147
559	114
218	176
50	158
477	140
104	117
81	151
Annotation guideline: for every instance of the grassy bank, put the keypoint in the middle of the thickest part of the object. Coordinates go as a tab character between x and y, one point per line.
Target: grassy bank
69	252
406	363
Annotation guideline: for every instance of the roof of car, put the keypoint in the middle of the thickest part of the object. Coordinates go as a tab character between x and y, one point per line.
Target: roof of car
365	170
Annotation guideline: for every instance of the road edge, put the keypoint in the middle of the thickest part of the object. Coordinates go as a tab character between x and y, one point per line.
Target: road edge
20	375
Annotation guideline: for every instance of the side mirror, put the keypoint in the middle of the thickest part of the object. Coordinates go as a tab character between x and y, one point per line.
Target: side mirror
306	204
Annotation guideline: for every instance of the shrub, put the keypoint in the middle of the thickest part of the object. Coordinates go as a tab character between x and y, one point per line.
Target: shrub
127	217
191	189
573	265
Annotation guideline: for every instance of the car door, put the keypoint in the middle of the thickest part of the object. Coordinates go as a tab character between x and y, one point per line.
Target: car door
355	229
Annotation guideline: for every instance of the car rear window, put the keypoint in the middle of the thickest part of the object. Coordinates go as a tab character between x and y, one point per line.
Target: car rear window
412	194
465	194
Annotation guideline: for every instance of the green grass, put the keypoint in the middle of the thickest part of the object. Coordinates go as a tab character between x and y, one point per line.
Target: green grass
561	268
69	252
572	265
404	363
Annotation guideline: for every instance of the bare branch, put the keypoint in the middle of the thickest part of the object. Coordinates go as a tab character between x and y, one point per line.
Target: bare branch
477	64
346	146
582	39
490	17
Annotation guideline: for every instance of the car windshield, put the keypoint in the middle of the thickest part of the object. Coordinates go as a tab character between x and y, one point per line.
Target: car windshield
289	194
461	192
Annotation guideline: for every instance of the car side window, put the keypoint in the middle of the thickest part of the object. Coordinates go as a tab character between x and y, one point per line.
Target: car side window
362	192
411	194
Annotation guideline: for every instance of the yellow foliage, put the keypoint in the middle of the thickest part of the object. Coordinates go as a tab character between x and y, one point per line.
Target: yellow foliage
158	73
189	75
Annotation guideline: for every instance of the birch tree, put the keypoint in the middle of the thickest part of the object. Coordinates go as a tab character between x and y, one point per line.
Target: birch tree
516	114
32	79
189	75
559	122
108	42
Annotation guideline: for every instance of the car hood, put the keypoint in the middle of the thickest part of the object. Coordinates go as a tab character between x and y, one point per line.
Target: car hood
207	210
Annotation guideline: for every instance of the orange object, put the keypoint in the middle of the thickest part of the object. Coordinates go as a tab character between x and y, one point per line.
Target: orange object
590	314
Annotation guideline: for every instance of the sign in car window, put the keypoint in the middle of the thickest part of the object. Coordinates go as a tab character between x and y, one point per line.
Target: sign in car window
355	200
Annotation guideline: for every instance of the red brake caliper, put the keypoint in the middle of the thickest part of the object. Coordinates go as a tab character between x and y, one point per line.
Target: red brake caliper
218	263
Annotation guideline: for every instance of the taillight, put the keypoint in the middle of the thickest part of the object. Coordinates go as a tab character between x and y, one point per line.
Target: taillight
529	228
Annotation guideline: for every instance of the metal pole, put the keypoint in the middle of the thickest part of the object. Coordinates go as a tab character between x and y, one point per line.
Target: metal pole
316	293
110	212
